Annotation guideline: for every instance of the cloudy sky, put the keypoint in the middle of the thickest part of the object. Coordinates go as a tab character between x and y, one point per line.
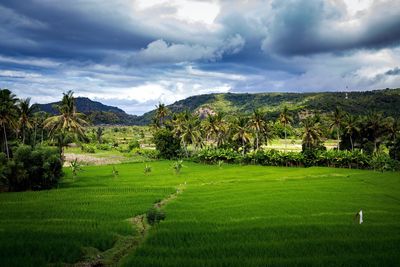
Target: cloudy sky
136	53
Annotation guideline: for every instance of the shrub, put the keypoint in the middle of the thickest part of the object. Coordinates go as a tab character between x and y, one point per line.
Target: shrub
168	146
88	148
177	166
105	147
154	216
39	168
212	156
133	144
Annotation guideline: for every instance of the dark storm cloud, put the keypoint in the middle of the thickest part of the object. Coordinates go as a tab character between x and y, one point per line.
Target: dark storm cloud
65	29
317	26
395	71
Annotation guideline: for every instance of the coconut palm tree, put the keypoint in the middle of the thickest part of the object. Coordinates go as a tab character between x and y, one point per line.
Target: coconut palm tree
375	126
242	133
337	119
311	133
285	118
68	122
161	113
351	127
215	127
187	129
258	124
25	113
8	115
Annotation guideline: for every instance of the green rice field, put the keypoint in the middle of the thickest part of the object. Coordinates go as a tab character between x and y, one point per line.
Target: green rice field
222	216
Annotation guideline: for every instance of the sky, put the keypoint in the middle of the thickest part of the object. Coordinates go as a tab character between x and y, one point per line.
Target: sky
136	53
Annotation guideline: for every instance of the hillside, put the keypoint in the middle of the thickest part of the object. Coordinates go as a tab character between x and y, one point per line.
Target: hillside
358	103
97	112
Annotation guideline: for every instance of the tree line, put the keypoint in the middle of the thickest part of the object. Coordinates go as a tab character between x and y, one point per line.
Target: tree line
26	162
373	133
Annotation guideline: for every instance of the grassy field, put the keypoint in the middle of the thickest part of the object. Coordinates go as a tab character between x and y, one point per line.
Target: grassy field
229	216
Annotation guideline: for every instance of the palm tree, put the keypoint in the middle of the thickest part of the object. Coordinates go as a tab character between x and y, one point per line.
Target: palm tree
161	113
258	124
242	133
311	133
351	127
187	129
8	114
216	128
337	118
375	127
285	118
25	111
69	121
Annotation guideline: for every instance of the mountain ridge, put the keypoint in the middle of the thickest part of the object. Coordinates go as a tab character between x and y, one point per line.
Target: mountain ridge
355	102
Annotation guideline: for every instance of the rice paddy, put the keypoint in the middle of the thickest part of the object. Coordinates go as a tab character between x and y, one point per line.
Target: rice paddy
226	216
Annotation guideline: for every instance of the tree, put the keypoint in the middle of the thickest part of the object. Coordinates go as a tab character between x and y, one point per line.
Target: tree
69	121
375	128
337	119
311	134
187	128
258	124
161	113
285	118
25	113
242	133
99	134
216	128
8	115
351	127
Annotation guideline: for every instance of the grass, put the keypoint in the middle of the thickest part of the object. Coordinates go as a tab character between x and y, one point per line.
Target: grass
229	216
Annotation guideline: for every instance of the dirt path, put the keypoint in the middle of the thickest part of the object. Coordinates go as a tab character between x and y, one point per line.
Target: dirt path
90	160
125	245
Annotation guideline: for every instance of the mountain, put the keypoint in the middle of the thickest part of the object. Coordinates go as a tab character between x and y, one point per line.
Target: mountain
357	103
97	112
386	101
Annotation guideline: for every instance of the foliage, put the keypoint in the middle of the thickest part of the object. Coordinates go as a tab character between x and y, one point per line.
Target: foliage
115	172
38	168
177	166
307	158
75	167
168	146
133	144
88	148
147	169
154	216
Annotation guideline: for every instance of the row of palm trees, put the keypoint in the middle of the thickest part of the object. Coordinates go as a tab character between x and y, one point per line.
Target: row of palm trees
18	117
219	129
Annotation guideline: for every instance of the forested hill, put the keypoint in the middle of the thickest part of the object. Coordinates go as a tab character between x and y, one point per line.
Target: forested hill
357	103
386	101
97	112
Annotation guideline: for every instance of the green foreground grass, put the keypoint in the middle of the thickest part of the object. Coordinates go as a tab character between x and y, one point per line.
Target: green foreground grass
229	216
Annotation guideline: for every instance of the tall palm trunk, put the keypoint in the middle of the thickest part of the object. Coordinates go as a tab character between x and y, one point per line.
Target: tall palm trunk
257	140
5	141
285	136
338	138
351	142
243	147
23	135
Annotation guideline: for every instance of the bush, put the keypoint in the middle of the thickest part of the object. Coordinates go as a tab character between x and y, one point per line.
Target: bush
213	156
149	153
168	146
88	148
39	168
133	144
154	216
105	147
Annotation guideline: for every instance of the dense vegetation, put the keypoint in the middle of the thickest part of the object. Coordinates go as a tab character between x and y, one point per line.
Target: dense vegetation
369	141
228	215
356	103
